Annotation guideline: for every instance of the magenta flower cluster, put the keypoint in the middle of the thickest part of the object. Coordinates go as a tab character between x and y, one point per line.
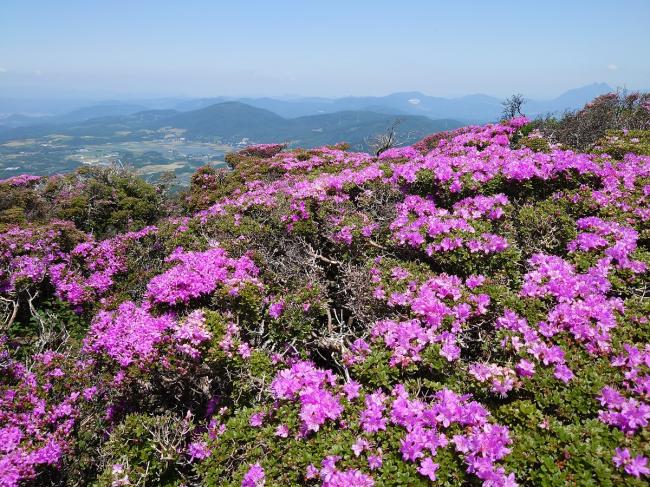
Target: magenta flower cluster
629	409
129	334
254	477
331	476
21	180
616	241
30	255
200	273
441	299
481	443
312	387
36	422
581	304
89	270
421	224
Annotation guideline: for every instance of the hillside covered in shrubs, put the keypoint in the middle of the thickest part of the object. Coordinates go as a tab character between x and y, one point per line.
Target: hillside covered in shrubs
469	310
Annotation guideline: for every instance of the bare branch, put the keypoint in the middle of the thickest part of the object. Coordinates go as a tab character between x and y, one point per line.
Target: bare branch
512	106
14	311
386	140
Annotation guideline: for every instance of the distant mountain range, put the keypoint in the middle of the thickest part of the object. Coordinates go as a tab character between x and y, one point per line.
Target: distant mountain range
77	115
468	109
233	121
302	121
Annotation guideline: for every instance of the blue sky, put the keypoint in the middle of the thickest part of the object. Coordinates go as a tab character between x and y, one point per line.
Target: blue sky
329	48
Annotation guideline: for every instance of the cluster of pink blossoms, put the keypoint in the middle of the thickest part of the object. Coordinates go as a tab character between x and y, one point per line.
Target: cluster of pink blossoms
35	422
480	154
198	450
331	476
582	306
468	157
87	272
312	387
421	224
344	229
525	339
232	343
440	299
629	409
199	274
636	466
330	157
254	477
407	152
502	379
131	335
190	334
620	188
481	443
596	234
21	180
27	252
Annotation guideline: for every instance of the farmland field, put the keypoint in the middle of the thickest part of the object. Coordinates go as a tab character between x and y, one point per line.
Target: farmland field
60	153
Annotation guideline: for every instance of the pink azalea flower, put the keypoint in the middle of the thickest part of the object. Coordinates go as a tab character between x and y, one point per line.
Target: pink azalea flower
428	468
282	431
254	477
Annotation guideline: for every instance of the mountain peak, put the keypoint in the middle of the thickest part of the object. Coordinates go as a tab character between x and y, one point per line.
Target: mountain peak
590	91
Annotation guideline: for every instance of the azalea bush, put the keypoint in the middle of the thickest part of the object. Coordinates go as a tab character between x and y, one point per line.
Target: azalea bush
621	111
99	200
469	310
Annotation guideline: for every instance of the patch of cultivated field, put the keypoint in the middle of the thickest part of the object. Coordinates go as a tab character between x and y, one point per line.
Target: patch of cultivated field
158	168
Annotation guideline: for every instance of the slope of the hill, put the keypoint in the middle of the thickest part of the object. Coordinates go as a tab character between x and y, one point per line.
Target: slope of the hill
468	310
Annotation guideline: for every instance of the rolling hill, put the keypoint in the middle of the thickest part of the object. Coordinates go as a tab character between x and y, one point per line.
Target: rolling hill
476	108
308	121
233	121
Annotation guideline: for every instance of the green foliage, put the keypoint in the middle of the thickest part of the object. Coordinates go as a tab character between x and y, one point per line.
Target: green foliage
101	200
14	215
536	144
617	143
105	201
583	129
19	204
149	450
545	226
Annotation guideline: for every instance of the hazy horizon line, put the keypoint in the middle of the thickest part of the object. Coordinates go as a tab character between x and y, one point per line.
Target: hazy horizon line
291	96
